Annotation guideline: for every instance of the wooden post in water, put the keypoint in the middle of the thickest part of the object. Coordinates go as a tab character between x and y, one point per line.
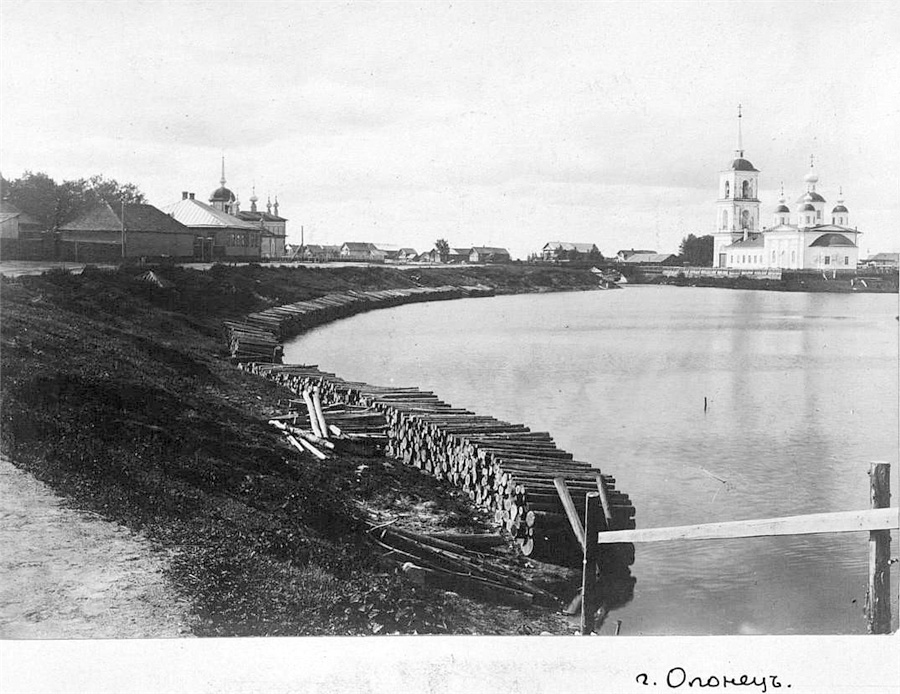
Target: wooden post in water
593	519
878	596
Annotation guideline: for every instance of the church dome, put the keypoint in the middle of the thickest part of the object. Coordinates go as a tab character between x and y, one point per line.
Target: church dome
811	177
807	208
839	208
222	194
741	164
782	208
811	196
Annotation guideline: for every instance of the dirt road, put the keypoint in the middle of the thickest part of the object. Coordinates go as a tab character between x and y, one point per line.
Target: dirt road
68	574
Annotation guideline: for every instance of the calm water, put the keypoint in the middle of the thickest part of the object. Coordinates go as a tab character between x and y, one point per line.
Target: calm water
802	394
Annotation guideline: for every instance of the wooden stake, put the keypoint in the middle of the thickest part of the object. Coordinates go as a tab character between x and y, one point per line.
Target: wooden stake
311	411
317	403
878	596
569	506
593	520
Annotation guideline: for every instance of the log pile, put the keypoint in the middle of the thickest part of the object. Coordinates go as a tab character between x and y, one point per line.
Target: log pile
257	337
503	467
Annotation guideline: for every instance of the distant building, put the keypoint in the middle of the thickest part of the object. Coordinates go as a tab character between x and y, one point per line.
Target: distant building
486	254
316	253
565	250
648	258
624	255
362	251
886	260
104	232
459	255
810	241
15	228
219	235
407	255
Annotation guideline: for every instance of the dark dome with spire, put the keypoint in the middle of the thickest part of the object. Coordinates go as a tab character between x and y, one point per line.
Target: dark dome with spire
222	194
839	208
741	164
782	208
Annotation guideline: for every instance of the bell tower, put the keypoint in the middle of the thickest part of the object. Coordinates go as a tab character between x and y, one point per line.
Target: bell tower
737	207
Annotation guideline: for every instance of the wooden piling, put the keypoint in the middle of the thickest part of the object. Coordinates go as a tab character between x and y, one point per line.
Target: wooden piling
878	596
593	521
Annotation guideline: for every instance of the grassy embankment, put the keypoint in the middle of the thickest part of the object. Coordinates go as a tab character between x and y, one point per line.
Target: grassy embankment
116	392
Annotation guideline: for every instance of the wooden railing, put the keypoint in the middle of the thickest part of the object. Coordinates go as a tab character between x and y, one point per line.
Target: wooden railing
878	521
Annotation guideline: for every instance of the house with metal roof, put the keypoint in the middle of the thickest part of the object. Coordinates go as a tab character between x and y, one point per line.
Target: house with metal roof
219	235
642	258
104	232
886	260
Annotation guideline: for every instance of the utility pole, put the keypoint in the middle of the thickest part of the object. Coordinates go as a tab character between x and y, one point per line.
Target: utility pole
123	230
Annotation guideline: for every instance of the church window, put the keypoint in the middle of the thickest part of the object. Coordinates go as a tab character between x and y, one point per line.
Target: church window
724	219
727	189
846	260
746	192
793	255
818	214
745	219
827	260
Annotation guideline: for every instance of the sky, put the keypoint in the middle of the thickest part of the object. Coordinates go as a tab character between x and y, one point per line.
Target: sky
502	124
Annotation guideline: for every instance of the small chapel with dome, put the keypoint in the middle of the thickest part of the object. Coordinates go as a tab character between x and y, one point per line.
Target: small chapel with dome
808	239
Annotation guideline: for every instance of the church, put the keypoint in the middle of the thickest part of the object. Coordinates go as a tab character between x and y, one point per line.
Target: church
808	238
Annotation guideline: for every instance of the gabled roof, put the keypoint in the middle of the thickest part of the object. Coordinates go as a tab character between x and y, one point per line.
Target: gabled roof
485	250
655	258
138	217
359	246
10	211
193	213
890	257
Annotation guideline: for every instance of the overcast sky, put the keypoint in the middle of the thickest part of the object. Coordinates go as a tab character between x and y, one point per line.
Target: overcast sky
505	124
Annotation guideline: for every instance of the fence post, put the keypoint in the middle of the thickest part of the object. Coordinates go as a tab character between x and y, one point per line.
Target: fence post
878	595
593	517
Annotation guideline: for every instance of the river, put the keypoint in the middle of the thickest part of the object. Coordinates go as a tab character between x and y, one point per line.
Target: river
800	393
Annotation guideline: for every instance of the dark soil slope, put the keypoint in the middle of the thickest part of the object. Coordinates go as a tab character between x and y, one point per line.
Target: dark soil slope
114	391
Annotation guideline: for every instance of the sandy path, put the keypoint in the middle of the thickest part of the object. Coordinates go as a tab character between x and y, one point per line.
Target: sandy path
67	574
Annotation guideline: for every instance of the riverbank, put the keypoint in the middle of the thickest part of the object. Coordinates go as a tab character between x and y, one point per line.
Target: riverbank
117	394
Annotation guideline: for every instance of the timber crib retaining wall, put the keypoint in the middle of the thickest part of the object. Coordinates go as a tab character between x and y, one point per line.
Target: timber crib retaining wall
505	468
258	336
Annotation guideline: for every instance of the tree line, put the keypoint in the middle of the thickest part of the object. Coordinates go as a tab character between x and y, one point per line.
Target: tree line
53	204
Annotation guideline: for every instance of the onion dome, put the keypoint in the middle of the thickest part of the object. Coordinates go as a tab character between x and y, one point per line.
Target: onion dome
811	177
807	208
222	194
782	208
840	203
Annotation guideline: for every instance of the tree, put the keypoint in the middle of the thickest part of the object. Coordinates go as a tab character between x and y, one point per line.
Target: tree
55	204
696	250
443	249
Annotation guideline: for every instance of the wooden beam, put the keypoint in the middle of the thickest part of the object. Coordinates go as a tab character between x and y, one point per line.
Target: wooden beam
878	595
593	521
569	506
840	522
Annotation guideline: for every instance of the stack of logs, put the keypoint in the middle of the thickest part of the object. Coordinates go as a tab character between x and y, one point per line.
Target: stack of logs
504	467
257	337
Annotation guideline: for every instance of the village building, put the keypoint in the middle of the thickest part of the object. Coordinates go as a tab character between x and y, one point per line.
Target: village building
648	258
104	232
16	229
486	254
218	235
883	260
810	239
566	250
362	251
625	254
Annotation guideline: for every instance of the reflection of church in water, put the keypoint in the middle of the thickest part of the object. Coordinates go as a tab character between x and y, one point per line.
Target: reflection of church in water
810	240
